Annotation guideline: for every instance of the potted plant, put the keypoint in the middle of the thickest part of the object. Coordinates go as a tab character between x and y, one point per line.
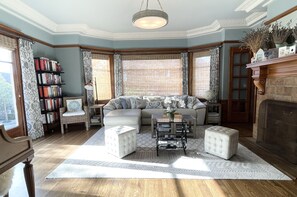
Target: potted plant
280	33
255	38
294	32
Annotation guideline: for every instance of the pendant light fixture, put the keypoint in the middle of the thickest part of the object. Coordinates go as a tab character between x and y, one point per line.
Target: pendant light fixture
150	19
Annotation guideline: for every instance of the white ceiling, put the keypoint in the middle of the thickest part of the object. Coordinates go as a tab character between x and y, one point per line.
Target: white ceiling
111	19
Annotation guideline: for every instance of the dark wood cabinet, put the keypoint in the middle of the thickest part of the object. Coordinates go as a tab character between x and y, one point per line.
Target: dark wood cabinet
240	100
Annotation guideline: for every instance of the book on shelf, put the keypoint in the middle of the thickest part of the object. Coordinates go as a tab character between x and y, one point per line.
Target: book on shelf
45	64
50	104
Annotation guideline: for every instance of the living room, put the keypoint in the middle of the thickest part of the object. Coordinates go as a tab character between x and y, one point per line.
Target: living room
121	58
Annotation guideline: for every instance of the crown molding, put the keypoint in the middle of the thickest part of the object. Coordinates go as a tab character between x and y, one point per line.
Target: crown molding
21	10
248	5
255	17
150	35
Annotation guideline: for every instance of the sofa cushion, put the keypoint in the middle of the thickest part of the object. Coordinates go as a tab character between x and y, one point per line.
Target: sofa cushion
147	113
123	116
191	112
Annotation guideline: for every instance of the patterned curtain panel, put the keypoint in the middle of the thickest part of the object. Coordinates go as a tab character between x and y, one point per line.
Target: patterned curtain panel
185	68
215	71
118	75
88	70
31	99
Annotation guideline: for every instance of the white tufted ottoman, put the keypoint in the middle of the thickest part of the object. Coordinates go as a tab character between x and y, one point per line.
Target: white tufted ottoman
221	141
120	141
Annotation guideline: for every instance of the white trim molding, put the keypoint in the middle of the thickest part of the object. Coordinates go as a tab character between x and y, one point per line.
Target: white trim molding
248	5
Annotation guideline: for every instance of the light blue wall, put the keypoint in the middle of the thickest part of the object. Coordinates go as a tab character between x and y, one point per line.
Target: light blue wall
40	50
71	62
24	27
279	6
205	39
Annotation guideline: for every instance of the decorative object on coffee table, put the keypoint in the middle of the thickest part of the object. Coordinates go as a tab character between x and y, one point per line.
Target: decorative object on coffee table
171	106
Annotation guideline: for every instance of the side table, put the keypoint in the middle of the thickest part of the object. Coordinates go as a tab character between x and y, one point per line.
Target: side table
213	113
96	114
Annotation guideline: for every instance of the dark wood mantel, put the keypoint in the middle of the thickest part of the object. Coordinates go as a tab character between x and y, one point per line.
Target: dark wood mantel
278	67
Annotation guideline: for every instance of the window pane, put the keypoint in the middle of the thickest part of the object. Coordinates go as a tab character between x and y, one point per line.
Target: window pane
201	75
101	78
8	110
152	77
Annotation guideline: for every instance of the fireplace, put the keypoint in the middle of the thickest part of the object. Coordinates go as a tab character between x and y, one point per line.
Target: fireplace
276	100
277	128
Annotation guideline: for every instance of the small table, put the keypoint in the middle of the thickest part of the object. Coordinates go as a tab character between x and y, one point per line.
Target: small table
191	123
213	113
170	133
97	118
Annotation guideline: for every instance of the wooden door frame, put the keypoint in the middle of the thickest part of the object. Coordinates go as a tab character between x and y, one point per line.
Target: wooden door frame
249	105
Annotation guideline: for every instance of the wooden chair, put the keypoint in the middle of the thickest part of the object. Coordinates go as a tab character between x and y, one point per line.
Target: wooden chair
13	151
68	116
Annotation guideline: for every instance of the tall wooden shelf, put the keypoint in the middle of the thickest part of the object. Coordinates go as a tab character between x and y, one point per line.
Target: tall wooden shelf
278	67
49	82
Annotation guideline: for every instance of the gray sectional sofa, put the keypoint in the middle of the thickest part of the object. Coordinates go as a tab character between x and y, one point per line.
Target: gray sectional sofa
137	110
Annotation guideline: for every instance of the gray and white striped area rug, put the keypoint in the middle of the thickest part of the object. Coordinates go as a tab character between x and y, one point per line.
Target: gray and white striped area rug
92	161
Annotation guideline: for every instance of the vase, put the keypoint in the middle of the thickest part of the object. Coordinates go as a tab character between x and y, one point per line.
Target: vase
170	116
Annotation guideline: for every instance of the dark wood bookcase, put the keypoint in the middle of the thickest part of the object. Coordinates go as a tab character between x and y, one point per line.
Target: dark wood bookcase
49	82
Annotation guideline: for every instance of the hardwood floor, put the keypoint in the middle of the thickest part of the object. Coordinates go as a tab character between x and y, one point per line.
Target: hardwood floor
52	150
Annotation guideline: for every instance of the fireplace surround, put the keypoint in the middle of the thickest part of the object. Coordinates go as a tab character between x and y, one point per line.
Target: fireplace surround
277	128
276	80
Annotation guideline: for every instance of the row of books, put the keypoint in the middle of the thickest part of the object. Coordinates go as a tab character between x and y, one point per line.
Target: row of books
50	104
49	78
43	63
50	117
50	91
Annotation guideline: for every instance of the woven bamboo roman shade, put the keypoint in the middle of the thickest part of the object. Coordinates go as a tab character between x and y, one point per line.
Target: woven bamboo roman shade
101	76
152	74
8	43
201	73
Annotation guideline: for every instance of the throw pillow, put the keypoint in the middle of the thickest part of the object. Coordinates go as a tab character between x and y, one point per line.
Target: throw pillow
191	101
117	103
74	105
182	101
154	105
199	105
140	103
124	103
133	103
109	106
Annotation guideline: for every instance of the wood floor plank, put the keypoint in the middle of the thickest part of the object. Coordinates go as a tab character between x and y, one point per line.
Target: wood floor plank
54	149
